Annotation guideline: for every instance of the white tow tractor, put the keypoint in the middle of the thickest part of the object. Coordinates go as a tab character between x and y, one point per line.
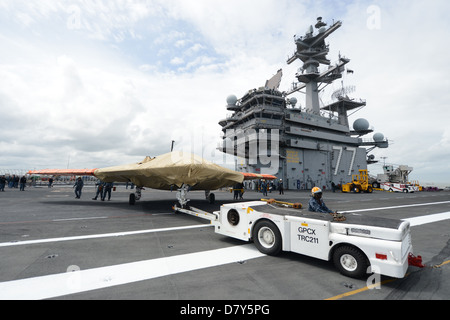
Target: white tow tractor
357	244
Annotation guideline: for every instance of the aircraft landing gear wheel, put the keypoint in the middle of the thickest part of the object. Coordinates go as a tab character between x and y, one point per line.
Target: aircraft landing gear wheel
212	198
351	262
132	199
267	238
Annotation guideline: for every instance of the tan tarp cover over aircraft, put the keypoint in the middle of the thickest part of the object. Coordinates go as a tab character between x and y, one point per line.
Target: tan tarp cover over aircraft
165	172
171	171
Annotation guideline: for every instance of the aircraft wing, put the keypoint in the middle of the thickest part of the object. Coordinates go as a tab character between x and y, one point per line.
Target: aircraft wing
167	172
253	176
64	172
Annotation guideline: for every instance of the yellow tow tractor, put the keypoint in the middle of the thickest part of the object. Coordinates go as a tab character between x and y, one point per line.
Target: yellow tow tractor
360	183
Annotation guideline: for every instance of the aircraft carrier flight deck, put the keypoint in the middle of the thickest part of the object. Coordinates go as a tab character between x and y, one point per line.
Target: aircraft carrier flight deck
53	246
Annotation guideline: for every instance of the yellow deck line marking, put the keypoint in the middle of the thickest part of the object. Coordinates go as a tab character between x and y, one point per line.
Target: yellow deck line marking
351	293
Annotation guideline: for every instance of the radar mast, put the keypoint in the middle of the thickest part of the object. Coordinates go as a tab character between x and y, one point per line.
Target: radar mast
312	51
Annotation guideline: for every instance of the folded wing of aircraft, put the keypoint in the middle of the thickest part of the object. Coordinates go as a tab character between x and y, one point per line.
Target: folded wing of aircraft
171	171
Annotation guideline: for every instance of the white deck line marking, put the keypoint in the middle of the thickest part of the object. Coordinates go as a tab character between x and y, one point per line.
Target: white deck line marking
397	207
58	285
97	236
418	221
78	219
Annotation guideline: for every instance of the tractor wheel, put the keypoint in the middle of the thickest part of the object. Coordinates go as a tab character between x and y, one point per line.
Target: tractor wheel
267	238
350	261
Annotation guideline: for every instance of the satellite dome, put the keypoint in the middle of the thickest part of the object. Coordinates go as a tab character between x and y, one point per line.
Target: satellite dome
378	137
231	100
361	125
293	101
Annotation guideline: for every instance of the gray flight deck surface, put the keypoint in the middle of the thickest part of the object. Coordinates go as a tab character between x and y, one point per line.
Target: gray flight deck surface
27	218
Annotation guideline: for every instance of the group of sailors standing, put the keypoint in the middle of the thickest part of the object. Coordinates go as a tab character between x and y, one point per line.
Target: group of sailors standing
103	189
12	182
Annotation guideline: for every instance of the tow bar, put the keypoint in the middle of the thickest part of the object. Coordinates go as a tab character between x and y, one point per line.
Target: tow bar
415	261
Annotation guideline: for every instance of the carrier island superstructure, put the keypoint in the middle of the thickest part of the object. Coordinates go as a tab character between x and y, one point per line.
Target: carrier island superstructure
303	147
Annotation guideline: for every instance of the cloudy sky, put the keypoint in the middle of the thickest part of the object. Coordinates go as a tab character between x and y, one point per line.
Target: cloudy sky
94	83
